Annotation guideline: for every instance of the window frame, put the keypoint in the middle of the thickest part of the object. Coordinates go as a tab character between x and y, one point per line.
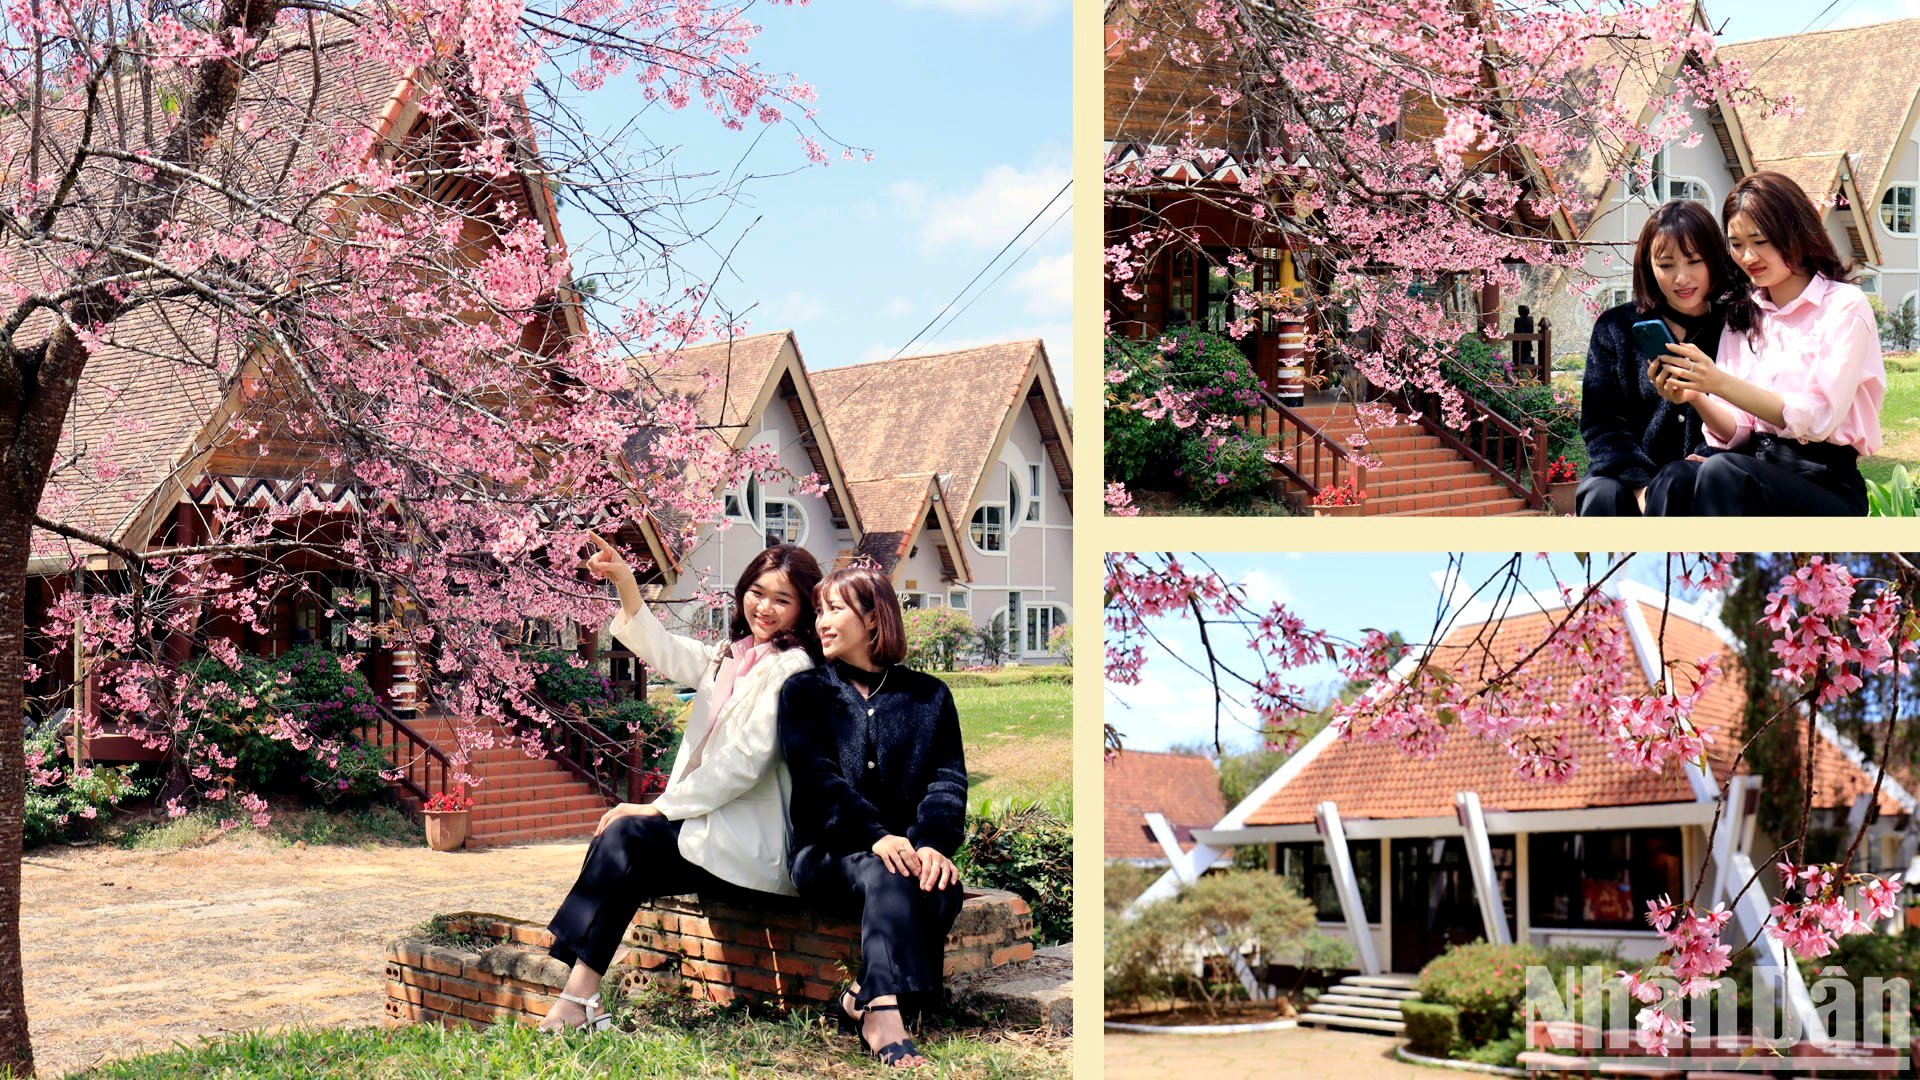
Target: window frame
1056	617
1545	887
1365	856
1035	510
1912	191
793	511
987	529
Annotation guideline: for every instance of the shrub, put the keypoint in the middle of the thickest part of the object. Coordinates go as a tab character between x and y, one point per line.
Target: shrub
1485	982
990	642
233	708
329	699
1124	881
1052	675
350	778
1154	953
69	805
1895	498
564	684
1899	325
1489	376
1143	451
1432	1029
936	637
1226	468
646	722
1060	643
1026	850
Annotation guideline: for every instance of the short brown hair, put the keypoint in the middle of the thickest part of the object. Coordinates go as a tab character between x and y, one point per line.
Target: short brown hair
870	592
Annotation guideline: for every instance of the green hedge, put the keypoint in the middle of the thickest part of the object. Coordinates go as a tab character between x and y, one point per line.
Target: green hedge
1222	469
1485	982
1433	1029
1050	675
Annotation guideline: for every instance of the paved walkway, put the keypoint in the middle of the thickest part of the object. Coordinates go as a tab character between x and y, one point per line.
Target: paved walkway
1300	1051
129	951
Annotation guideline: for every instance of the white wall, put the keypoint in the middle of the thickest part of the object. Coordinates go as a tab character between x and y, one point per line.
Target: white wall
1899	255
1038	560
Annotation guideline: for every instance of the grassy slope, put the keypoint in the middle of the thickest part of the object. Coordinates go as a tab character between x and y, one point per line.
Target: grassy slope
1019	742
1899	419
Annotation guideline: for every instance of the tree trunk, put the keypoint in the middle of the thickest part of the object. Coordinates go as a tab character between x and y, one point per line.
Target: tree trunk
16	1051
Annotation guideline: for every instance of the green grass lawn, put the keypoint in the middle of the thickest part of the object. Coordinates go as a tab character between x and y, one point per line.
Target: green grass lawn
714	1043
1019	742
1899	419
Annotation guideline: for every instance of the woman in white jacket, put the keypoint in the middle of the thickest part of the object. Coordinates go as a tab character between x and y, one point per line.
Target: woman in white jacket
723	814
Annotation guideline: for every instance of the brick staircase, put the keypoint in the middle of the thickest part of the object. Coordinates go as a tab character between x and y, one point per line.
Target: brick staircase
1363	1003
520	799
1418	473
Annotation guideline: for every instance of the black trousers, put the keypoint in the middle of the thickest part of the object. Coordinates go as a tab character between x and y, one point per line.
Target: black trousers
1605	496
903	930
1767	477
635	860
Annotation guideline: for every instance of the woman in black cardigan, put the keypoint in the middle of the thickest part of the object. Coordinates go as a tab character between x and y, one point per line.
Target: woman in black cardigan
1641	447
879	800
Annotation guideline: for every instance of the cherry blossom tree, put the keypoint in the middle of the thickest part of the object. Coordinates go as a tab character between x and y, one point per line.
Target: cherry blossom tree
1398	150
332	228
1832	635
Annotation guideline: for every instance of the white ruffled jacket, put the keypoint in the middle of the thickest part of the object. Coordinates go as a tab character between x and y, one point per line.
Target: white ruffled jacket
733	806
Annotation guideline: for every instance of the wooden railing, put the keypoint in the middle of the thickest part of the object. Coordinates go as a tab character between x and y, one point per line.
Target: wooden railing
1310	459
1515	458
422	768
611	767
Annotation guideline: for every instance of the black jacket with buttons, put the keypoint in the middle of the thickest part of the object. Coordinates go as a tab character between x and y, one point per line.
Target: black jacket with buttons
858	777
1630	430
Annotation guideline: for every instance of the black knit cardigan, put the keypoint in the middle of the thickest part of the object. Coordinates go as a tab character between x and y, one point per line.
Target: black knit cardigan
1630	430
857	778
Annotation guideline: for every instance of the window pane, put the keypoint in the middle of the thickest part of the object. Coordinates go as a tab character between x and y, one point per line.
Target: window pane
1602	879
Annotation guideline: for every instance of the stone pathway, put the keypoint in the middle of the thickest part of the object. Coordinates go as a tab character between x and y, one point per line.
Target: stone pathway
1300	1051
130	951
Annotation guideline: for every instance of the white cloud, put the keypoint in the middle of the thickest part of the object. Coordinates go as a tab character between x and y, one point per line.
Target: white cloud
797	307
1027	11
1265	590
987	215
899	305
1048	285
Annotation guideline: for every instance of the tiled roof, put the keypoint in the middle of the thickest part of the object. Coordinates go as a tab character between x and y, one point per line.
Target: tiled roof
1817	175
723	379
892	509
1857	86
1184	787
1350	770
936	414
1634	69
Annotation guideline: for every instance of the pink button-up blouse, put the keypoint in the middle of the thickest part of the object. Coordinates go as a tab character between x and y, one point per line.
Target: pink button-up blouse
1821	354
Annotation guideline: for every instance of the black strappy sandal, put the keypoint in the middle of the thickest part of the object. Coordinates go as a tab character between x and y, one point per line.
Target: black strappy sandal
892	1054
843	1015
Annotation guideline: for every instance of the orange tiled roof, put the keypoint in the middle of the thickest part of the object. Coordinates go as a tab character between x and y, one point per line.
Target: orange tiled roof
1350	770
937	414
1184	787
1857	85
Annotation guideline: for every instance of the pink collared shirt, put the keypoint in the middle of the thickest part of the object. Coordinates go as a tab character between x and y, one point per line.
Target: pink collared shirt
1821	354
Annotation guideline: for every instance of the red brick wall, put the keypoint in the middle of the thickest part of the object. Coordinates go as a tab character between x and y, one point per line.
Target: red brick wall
777	956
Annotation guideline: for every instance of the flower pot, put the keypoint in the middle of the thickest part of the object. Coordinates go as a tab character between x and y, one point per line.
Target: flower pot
447	830
1339	511
1560	496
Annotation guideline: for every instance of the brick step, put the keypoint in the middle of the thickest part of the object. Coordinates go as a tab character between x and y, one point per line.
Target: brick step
534	818
565	804
564	834
1509	506
1434	502
494	793
1425	470
1388	487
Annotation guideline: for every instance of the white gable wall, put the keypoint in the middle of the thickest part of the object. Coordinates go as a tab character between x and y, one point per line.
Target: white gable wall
1899	269
1037	563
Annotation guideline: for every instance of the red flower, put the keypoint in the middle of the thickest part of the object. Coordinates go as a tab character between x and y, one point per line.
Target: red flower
445	801
1561	471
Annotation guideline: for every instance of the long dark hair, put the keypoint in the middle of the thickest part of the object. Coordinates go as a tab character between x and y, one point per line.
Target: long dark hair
803	571
1788	219
1690	227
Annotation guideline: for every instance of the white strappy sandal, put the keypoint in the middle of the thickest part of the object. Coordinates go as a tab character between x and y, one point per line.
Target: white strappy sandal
597	1019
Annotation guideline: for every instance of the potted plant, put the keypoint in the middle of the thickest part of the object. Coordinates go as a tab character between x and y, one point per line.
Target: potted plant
1339	500
1562	481
449	820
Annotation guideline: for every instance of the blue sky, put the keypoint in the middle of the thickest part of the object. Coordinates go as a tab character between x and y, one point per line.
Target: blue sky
966	107
1745	20
1341	593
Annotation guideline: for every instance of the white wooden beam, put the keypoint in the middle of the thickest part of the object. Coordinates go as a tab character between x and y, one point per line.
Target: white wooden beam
1486	883
1347	885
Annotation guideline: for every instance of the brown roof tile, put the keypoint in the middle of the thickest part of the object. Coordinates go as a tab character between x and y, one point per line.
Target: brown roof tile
1184	787
1349	771
1857	85
936	414
723	378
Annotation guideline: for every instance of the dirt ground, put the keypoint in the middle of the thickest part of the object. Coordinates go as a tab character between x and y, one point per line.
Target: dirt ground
131	951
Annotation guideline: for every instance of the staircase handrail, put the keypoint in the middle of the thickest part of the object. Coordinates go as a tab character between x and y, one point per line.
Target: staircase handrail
579	746
1305	435
414	759
1508	453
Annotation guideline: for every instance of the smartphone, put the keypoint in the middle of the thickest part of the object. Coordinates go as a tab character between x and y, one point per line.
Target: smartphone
1652	337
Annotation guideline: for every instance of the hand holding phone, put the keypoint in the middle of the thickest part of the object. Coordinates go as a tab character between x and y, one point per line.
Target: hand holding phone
1651	337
